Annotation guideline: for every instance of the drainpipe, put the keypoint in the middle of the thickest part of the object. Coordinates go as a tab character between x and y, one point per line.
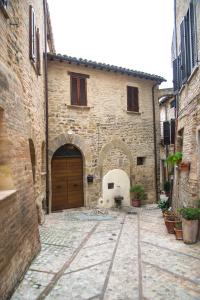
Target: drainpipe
46	106
155	141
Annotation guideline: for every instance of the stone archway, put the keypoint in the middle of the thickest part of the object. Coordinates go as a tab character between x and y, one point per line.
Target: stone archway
123	148
79	143
67	178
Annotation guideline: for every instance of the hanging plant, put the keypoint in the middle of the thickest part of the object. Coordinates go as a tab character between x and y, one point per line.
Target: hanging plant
174	159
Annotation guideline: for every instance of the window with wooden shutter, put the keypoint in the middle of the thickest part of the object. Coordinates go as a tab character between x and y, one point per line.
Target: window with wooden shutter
166	132
32	35
175	75
38	66
172	131
193	34
78	89
132	99
183	53
3	7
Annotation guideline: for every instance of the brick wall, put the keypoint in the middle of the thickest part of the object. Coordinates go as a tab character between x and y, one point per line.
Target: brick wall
186	189
21	119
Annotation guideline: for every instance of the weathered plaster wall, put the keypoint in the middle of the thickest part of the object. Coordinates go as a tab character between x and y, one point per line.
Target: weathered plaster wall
111	137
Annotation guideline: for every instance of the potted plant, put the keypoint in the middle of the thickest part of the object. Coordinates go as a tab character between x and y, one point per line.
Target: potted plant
190	223
163	205
184	166
170	221
174	159
178	230
138	195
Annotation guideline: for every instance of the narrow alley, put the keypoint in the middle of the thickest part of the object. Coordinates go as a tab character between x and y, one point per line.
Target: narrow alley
115	256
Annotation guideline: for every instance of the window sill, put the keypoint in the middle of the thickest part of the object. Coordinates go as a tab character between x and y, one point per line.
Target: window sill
4	11
189	78
79	107
6	194
133	112
193	73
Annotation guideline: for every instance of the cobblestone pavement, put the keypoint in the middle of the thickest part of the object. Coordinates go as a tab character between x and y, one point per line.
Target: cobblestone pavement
125	257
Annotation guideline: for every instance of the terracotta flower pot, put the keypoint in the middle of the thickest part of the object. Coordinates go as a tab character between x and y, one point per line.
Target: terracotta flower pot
190	231
136	203
170	224
184	166
178	233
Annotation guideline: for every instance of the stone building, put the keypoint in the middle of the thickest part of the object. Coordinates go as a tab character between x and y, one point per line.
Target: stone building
167	104
186	46
22	134
103	132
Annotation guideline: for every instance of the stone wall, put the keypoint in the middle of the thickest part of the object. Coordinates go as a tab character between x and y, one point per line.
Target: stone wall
186	189
22	119
108	136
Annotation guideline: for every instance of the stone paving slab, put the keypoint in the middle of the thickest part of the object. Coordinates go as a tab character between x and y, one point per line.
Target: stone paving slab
161	285
51	258
92	255
80	285
128	257
32	285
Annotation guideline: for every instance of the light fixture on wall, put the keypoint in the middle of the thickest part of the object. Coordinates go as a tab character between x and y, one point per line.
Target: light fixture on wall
70	135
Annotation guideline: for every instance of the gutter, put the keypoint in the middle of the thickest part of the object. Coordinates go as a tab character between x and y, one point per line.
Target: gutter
155	142
46	107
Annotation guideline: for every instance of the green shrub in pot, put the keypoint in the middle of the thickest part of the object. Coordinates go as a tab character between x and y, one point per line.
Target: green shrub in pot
190	223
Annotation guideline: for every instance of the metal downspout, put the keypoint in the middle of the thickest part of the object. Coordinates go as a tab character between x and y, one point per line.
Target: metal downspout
155	141
46	107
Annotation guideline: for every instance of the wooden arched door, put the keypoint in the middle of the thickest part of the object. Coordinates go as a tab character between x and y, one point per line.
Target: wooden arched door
67	178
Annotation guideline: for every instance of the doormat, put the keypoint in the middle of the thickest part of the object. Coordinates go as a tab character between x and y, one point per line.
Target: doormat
88	216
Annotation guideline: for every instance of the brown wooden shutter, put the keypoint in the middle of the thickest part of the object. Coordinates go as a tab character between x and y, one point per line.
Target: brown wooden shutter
172	129
132	99
193	33
183	53
82	94
38	52
31	33
166	132
74	91
129	98
135	100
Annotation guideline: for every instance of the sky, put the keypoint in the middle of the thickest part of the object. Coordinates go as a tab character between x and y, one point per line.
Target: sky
135	34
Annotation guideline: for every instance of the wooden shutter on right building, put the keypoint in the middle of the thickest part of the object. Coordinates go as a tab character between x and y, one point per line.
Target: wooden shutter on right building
183	53
193	33
172	131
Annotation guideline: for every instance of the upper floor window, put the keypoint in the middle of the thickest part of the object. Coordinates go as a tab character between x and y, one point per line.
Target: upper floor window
187	59
4	3
34	42
78	89
32	33
3	7
132	99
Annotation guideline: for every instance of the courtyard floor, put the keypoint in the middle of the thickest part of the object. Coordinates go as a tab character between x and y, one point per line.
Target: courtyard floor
116	256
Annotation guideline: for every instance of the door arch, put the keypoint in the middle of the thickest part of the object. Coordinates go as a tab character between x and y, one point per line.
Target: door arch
67	178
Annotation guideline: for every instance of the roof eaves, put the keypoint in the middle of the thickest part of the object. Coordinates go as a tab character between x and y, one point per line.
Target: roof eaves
106	67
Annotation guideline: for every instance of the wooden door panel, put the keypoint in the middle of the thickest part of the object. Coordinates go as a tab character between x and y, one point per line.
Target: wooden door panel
67	183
